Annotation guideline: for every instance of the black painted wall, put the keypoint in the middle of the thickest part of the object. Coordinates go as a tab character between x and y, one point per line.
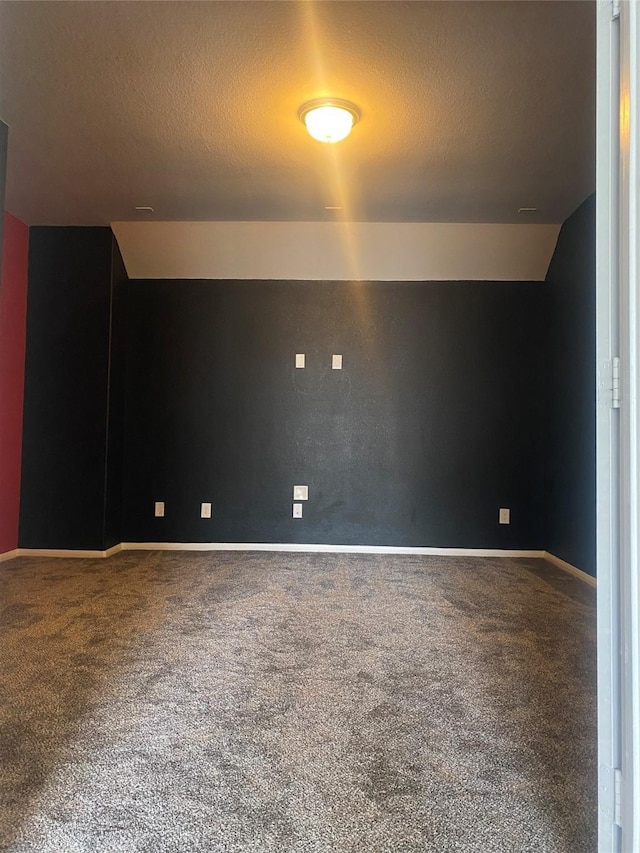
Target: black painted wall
451	404
116	398
67	500
436	420
571	492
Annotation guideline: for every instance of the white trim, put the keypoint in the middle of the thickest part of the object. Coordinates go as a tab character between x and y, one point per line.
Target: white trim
67	552
113	550
629	570
305	548
607	312
572	570
8	555
324	549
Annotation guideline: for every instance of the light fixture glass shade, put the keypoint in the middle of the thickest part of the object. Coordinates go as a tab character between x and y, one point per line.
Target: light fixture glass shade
329	121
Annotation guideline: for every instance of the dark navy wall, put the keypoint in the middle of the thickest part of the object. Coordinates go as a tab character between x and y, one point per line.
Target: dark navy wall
67	378
571	491
116	398
436	420
456	398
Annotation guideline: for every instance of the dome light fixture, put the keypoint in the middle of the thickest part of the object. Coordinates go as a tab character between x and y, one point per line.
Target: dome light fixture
329	119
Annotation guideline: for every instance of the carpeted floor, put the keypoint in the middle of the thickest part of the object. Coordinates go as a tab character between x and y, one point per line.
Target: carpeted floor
297	704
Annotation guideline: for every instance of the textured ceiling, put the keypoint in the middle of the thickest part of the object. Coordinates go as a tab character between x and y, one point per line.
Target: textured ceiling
470	110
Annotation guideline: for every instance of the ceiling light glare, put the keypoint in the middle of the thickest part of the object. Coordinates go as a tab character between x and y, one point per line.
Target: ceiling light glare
329	120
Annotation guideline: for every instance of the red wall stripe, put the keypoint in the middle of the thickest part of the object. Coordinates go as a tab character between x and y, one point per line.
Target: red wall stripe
13	317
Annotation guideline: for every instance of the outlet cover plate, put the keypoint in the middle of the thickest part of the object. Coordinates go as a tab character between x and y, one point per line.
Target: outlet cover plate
301	493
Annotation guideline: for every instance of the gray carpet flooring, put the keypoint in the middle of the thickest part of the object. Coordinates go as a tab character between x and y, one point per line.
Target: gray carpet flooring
296	703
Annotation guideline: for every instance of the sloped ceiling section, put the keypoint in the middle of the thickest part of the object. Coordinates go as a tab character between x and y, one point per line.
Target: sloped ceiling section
470	110
325	251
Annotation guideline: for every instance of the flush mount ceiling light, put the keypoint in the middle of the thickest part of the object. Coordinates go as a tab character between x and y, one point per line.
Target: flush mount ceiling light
329	119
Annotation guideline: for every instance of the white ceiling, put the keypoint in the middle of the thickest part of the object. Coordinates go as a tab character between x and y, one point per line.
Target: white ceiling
470	110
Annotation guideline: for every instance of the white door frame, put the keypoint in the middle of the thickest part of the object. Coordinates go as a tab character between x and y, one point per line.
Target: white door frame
607	425
629	426
618	432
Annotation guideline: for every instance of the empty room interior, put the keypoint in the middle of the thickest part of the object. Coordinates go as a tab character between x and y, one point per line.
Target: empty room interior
297	427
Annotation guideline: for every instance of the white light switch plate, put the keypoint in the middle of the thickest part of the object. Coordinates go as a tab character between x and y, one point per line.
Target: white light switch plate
300	359
205	510
301	493
297	510
336	362
505	516
158	509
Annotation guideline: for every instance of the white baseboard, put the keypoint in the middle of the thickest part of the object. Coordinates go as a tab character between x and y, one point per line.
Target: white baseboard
67	552
326	549
572	570
299	548
8	555
113	550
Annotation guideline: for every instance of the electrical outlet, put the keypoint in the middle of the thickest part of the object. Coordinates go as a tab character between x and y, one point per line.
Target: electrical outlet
301	493
297	510
300	359
158	509
504	516
205	510
336	362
